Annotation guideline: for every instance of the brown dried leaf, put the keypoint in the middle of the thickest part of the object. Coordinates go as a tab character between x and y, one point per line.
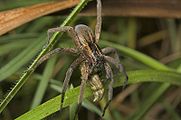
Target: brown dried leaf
11	19
139	8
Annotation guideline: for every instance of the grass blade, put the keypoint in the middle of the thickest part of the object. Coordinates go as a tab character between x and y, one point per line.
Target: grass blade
4	49
43	83
137	56
21	59
139	76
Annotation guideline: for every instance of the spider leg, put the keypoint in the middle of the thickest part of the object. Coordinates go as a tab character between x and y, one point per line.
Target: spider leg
85	74
67	77
109	75
109	50
119	66
68	29
55	51
99	21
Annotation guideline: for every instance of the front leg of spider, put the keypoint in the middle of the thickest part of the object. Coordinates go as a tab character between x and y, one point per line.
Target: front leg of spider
50	54
68	29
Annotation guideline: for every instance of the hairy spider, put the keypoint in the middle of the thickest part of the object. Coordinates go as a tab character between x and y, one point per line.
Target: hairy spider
91	58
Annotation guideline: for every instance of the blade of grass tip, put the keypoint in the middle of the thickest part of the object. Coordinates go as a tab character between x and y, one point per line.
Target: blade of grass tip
31	68
43	82
21	59
138	76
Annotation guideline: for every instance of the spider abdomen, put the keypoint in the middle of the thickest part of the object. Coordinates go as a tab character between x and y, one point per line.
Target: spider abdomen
94	81
96	87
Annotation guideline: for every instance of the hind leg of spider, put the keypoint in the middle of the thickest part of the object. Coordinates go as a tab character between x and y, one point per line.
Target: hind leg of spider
119	66
110	50
116	62
109	75
85	74
99	21
67	78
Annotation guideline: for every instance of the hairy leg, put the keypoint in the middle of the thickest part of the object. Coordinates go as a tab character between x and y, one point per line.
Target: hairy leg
68	29
67	77
119	66
109	75
99	21
84	77
55	51
109	50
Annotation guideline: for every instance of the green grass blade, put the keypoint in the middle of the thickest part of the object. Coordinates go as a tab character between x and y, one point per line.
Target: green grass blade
137	56
53	105
43	83
91	106
138	76
4	49
16	37
72	111
21	59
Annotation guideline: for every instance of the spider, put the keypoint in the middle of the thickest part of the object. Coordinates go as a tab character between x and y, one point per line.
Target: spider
91	58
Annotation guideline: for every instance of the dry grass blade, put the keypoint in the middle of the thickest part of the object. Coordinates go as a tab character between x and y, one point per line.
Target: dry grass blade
14	18
141	8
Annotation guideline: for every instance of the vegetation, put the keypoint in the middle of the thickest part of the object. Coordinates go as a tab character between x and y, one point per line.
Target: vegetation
149	49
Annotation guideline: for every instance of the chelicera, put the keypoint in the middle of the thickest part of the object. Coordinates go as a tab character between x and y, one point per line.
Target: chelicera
91	58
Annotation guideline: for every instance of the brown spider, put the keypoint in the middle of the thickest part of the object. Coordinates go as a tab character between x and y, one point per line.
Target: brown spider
92	59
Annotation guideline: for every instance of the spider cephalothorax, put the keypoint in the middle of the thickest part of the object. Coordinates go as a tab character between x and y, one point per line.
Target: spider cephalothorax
92	59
